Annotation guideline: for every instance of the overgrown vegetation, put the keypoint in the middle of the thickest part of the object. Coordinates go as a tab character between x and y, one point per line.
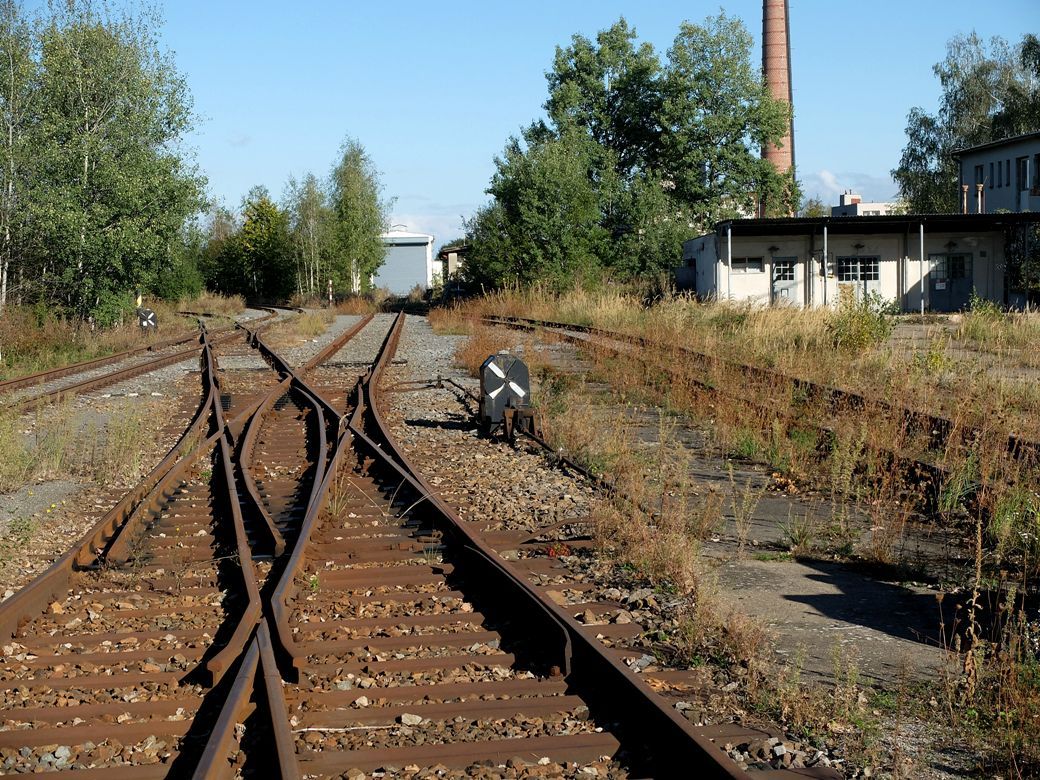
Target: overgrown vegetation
36	338
63	443
96	190
847	451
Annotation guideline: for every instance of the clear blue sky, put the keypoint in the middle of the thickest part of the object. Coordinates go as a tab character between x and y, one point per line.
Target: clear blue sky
433	90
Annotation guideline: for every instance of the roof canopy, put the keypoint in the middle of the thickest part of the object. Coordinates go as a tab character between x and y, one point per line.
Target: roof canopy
887	223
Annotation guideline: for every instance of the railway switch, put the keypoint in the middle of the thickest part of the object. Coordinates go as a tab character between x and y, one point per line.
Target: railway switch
505	396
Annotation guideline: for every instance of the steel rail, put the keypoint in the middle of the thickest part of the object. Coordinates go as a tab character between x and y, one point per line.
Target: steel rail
917	473
129	372
677	747
293	381
207	660
585	664
42	377
34	597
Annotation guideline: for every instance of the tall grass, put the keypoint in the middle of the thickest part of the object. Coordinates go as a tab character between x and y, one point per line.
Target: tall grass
33	338
63	443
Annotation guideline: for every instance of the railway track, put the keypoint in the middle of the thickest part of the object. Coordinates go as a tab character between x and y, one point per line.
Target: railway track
110	658
937	429
50	388
410	644
924	434
285	596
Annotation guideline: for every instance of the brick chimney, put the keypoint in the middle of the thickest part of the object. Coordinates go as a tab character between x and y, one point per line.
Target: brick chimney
776	67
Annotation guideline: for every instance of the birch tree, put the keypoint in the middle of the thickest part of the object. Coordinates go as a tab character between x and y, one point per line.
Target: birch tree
310	221
359	216
17	83
111	191
989	92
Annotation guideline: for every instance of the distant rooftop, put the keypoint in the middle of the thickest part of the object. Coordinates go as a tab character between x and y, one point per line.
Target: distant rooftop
405	237
876	224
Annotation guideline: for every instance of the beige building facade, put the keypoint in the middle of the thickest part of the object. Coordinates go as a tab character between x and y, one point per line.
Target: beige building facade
919	262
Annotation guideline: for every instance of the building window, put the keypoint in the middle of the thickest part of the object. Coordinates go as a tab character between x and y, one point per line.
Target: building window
991	175
978	174
783	270
858	269
1036	172
747	265
1007	174
1000	174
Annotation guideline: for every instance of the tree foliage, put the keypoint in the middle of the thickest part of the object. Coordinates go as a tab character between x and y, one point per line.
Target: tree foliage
359	216
310	221
325	231
96	190
989	92
634	157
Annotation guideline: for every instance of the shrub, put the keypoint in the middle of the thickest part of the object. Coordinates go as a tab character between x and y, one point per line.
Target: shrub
858	325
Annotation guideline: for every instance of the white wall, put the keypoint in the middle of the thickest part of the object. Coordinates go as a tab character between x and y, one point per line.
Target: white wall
899	267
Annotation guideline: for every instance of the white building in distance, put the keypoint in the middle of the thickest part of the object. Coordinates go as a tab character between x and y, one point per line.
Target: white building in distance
850	204
408	264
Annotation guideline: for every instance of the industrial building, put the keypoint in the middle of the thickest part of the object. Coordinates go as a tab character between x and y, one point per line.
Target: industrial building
921	262
850	204
408	263
1001	176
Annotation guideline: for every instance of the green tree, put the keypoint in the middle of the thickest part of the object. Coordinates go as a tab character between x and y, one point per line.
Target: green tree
648	229
109	192
18	75
490	261
219	233
312	233
718	116
988	93
633	159
814	207
551	207
182	277
610	90
359	216
263	248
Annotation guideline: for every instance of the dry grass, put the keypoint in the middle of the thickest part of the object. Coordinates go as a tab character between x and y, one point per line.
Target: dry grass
846	450
214	304
63	443
991	359
33	339
299	327
358	304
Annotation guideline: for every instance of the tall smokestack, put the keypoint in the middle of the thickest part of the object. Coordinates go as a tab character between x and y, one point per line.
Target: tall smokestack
776	66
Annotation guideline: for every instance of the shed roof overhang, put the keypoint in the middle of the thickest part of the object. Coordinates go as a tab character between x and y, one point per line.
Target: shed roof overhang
888	223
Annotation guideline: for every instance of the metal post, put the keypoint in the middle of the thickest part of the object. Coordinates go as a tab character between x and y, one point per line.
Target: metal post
824	265
729	262
920	267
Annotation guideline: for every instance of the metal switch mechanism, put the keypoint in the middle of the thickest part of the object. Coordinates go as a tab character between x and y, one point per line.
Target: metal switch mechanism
505	396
